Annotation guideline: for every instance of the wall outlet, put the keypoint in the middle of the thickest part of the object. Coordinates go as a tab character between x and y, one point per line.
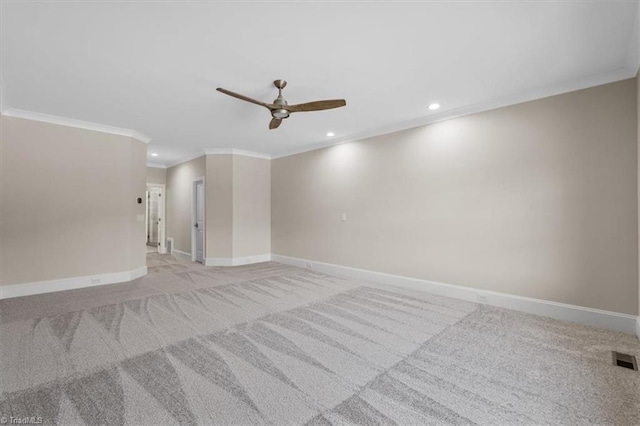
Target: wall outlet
343	217
483	298
96	280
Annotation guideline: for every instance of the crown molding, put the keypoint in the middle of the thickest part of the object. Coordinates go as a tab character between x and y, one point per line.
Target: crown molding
140	136
232	151
189	157
545	92
156	166
629	71
217	151
79	124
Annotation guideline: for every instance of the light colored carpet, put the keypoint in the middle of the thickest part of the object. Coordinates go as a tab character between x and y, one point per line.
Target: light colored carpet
270	343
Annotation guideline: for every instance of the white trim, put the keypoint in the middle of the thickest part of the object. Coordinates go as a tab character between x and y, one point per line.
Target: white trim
26	289
237	261
232	151
490	104
213	151
71	122
185	159
140	136
562	311
180	253
218	151
218	261
156	166
638	326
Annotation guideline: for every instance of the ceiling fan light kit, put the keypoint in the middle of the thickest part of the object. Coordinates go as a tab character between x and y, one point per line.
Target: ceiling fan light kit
280	109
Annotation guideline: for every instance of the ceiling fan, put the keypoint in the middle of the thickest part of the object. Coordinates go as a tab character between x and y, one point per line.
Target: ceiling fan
280	109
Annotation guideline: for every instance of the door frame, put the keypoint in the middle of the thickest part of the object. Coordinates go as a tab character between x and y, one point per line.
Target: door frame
194	237
162	213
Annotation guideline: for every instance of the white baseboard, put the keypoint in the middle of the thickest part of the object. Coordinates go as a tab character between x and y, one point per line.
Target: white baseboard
27	289
237	261
588	316
218	261
182	254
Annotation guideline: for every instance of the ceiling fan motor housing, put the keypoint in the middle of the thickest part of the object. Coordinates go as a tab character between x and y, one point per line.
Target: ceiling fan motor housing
280	113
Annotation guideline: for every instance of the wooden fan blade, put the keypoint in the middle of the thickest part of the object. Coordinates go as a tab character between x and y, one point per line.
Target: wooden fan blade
317	105
274	123
241	97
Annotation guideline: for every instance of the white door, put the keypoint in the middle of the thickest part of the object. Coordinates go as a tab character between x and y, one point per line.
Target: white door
199	225
153	214
162	242
155	217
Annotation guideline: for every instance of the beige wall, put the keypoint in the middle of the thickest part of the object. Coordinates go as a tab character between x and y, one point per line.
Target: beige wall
219	206
157	175
68	202
237	205
638	136
251	206
138	189
178	214
537	199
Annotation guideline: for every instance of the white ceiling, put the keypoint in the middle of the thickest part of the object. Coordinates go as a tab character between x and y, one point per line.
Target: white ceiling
154	66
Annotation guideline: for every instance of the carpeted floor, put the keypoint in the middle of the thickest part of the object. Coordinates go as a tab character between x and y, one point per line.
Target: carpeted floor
270	343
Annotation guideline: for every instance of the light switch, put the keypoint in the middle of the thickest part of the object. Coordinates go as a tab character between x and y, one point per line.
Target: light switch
140	218
343	217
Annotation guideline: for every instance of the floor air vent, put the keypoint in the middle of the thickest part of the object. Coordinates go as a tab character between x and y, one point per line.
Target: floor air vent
625	360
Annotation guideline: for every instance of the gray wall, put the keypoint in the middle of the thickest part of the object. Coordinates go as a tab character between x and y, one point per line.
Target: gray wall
538	199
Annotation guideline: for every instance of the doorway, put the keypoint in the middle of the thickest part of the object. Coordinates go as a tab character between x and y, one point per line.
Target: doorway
198	221
155	213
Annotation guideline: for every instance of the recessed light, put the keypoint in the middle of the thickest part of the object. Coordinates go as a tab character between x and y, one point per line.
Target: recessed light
434	107
154	154
330	134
